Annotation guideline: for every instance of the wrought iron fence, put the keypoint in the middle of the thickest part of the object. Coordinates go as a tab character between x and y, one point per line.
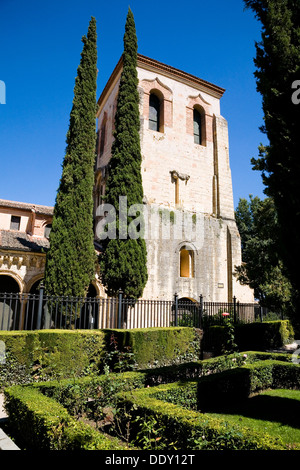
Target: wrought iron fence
41	311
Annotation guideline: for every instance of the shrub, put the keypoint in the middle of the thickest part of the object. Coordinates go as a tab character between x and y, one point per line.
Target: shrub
175	428
156	347
232	386
41	423
46	354
258	336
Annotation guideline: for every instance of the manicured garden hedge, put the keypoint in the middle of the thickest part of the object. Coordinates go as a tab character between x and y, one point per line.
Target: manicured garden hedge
258	336
43	354
166	406
46	411
48	354
41	423
176	428
156	347
232	386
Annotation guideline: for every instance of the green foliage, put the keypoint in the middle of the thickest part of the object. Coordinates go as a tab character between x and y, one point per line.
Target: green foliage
185	430
71	260
277	68
49	414
229	345
156	347
236	385
118	358
42	355
264	336
262	268
41	423
258	336
124	260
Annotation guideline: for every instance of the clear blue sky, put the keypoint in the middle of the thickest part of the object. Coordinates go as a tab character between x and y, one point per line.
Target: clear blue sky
40	52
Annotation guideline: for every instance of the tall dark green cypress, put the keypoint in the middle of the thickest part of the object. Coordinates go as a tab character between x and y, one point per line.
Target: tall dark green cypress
71	260
123	264
277	73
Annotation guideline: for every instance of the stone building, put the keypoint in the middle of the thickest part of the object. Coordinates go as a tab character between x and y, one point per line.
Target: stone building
24	232
194	244
192	239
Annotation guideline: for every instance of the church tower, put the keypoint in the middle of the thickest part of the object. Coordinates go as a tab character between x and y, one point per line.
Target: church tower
192	239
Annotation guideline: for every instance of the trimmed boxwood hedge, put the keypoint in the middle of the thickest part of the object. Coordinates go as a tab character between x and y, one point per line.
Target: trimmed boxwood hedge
44	354
156	347
49	354
181	429
232	386
41	423
167	405
257	336
43	411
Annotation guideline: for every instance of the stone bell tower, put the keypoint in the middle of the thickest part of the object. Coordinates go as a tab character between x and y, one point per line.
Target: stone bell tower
193	243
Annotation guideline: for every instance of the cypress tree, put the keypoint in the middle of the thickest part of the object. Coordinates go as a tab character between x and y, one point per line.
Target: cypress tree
277	73
70	261
123	263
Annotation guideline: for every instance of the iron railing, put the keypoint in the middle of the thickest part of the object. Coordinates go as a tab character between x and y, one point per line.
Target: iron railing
41	311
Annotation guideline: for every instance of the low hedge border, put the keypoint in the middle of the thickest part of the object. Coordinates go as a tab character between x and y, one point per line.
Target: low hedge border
73	391
240	383
167	405
42	411
54	354
48	354
41	423
175	428
257	336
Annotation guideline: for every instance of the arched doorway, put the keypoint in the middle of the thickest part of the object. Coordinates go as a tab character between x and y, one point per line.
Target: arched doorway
31	308
10	303
90	310
188	312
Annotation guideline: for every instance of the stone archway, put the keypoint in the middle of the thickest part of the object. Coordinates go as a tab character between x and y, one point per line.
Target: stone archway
30	311
89	313
188	312
10	303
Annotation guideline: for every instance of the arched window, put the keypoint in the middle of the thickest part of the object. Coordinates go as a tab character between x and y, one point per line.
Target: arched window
47	230
197	127
102	135
186	262
154	112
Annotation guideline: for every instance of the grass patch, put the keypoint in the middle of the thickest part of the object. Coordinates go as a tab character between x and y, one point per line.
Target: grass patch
276	412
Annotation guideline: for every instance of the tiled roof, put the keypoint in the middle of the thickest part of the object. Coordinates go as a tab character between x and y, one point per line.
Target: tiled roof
39	209
20	241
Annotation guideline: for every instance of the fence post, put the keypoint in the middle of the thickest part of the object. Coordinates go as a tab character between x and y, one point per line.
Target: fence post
39	316
120	308
260	313
176	308
234	309
201	312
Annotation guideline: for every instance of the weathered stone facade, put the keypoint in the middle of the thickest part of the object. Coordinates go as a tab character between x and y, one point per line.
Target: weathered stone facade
24	230
24	242
181	177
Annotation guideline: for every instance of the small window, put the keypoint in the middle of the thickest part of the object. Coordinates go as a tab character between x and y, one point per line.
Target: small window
47	230
102	139
103	135
15	222
197	127
154	112
186	263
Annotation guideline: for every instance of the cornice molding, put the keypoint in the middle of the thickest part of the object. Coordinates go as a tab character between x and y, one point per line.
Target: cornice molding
164	69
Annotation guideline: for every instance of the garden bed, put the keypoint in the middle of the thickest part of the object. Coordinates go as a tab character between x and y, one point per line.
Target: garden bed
79	413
